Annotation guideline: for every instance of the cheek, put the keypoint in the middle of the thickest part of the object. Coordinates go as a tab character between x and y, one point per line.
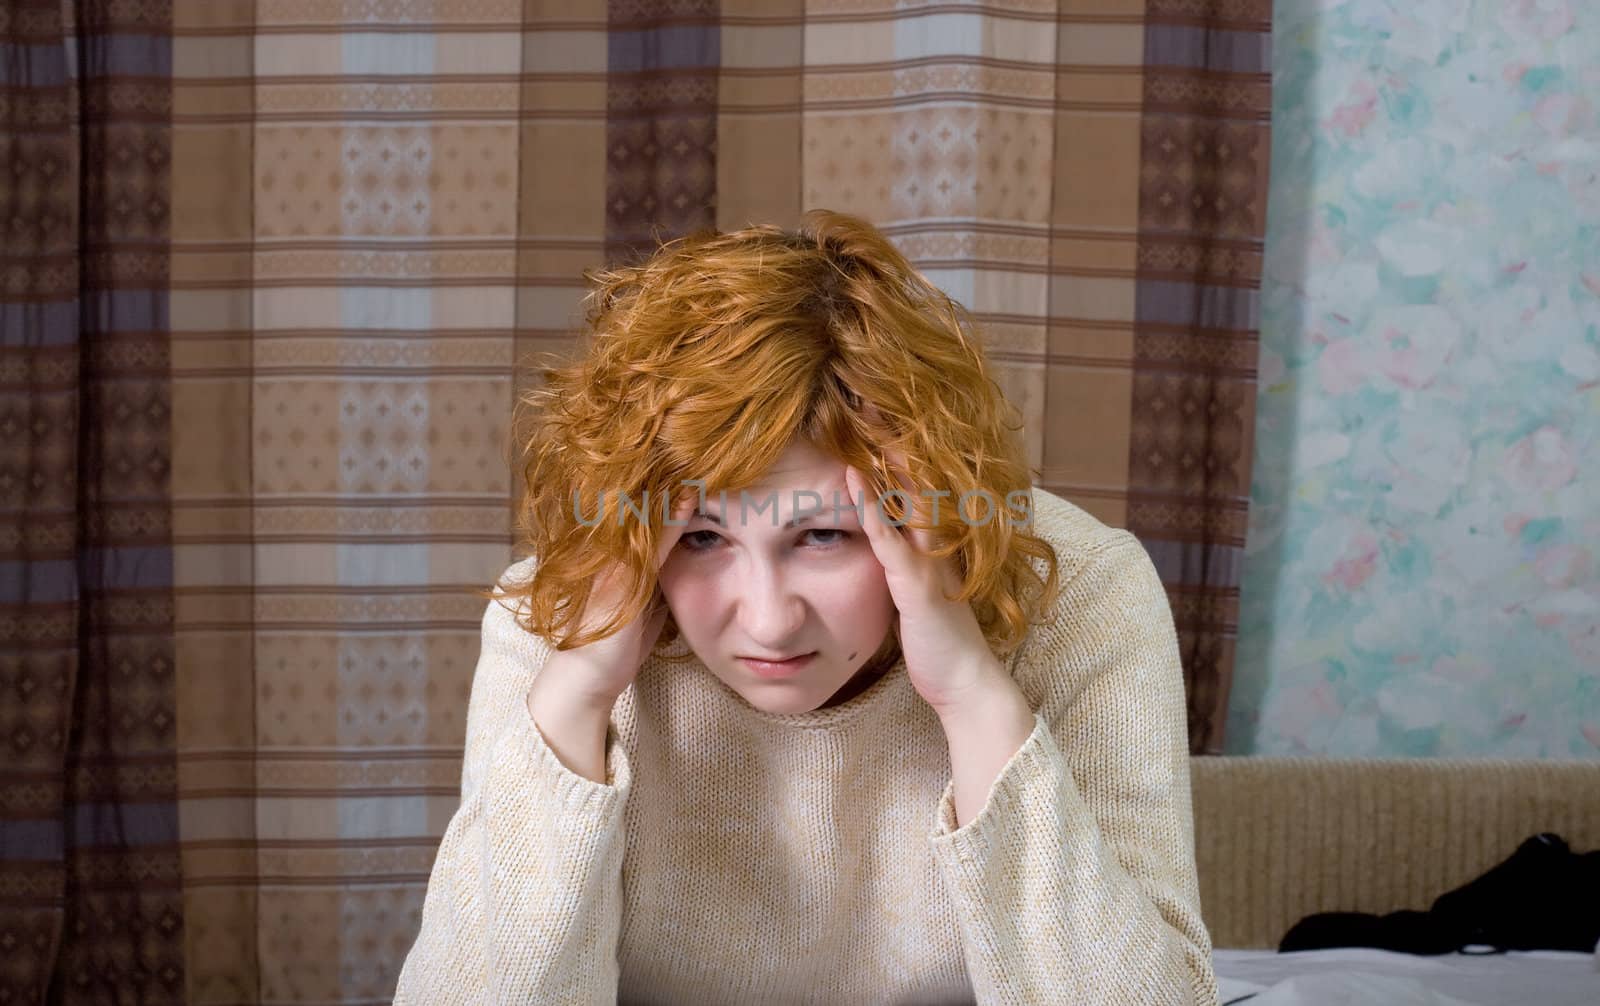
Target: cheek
702	596
856	596
688	595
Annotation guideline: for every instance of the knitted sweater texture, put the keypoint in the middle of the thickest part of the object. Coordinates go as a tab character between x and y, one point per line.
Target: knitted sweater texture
735	856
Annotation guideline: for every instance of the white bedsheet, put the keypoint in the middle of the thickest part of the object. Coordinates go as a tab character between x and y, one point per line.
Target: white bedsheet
1361	976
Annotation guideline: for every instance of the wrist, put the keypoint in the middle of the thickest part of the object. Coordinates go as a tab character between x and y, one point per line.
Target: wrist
572	724
566	680
984	732
987	687
554	698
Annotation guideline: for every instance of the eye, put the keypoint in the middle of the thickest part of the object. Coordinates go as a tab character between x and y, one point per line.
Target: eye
694	541
839	537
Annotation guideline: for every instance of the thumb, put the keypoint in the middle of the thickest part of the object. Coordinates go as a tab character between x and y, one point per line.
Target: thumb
653	625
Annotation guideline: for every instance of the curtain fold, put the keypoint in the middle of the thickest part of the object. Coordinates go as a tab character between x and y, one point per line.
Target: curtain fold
92	884
1203	172
272	275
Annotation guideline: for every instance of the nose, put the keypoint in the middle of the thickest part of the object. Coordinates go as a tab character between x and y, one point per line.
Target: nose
771	611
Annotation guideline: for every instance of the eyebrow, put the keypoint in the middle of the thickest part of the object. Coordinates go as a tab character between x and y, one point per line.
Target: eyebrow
796	522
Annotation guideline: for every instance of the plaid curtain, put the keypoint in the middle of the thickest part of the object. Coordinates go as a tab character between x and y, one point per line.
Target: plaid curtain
91	871
269	269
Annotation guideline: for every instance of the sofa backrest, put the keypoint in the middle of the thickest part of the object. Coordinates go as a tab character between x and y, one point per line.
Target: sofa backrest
1277	839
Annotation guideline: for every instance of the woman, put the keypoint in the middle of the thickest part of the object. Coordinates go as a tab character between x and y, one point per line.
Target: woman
733	742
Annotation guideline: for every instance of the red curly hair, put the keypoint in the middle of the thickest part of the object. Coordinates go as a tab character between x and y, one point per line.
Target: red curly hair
705	360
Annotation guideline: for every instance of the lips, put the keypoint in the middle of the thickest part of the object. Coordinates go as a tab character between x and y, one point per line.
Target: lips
777	668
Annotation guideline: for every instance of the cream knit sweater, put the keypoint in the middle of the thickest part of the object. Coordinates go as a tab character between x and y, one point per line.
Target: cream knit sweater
740	857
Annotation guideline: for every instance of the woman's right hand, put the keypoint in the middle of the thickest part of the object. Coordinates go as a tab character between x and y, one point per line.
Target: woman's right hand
593	676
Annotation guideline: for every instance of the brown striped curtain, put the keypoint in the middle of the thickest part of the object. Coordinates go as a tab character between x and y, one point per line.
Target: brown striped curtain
269	269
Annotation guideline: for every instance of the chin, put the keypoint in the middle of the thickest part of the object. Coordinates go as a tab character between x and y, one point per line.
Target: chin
782	700
783	707
782	697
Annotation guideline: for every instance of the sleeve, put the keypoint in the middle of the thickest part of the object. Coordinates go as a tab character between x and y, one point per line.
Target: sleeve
524	899
1076	880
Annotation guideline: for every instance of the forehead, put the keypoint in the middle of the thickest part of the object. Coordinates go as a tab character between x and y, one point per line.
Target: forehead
800	466
803	481
802	463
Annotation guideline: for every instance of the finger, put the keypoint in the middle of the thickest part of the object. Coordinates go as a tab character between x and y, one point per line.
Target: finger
607	595
886	540
923	539
917	512
894	464
674	530
652	625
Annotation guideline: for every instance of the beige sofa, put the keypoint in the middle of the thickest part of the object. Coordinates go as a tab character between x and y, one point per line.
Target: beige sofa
1279	838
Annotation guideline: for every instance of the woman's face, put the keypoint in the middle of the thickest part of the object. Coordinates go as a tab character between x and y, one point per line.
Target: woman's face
742	585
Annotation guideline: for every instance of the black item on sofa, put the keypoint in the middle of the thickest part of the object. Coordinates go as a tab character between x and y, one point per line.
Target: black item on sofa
1544	897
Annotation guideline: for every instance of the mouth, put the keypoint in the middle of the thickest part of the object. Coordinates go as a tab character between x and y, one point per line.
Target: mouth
777	668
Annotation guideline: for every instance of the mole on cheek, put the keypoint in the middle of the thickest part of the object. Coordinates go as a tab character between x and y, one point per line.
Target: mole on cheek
852	656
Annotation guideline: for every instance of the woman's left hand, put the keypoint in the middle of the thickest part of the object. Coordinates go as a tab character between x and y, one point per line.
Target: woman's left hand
947	658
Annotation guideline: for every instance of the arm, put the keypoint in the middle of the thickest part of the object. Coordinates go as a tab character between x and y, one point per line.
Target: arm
1075	880
524	900
983	732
